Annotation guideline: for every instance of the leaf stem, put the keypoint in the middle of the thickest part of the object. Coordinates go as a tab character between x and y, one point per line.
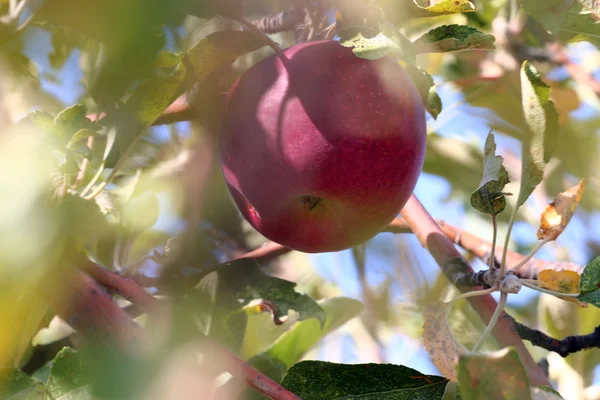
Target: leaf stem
474	293
118	165
494	236
547	291
493	320
530	255
513	217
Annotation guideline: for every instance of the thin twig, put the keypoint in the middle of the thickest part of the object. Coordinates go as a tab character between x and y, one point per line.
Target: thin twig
442	249
564	347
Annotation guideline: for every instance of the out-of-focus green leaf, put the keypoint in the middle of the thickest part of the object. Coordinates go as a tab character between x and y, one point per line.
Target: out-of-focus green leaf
220	49
500	374
70	376
289	346
542	124
570	20
221	295
16	385
453	38
426	87
489	197
318	380
372	44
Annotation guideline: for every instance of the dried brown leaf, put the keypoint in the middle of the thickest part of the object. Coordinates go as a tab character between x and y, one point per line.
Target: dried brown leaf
440	343
557	215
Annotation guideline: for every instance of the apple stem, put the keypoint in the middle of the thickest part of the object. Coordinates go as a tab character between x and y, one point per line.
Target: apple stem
272	44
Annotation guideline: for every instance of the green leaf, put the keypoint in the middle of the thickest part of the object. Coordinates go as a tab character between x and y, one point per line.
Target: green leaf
80	135
589	287
453	38
426	87
371	45
16	385
541	120
291	346
73	119
220	49
499	373
489	197
69	377
152	97
167	60
318	380
220	297
570	20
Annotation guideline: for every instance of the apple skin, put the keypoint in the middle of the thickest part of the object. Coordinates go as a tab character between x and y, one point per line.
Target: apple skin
322	153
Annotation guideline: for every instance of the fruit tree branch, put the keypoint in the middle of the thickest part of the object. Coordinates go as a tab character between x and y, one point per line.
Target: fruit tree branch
114	282
564	347
442	249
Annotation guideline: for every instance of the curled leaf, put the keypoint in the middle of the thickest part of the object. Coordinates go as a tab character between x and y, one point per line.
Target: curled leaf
558	213
440	343
560	281
489	198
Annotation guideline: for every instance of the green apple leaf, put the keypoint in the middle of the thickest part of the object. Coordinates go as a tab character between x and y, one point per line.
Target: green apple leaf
499	373
17	385
570	20
372	44
541	123
152	97
589	286
223	297
318	380
220	49
489	197
291	346
426	87
70	378
453	38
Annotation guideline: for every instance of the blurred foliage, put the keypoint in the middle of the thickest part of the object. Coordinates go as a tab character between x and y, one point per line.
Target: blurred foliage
86	171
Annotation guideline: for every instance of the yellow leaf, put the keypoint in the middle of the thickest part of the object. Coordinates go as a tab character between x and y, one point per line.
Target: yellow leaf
558	213
560	281
439	341
451	6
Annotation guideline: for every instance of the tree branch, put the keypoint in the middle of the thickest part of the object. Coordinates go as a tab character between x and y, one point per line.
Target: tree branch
442	249
564	347
130	290
286	21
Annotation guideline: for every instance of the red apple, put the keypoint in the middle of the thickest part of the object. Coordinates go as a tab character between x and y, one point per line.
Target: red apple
322	152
